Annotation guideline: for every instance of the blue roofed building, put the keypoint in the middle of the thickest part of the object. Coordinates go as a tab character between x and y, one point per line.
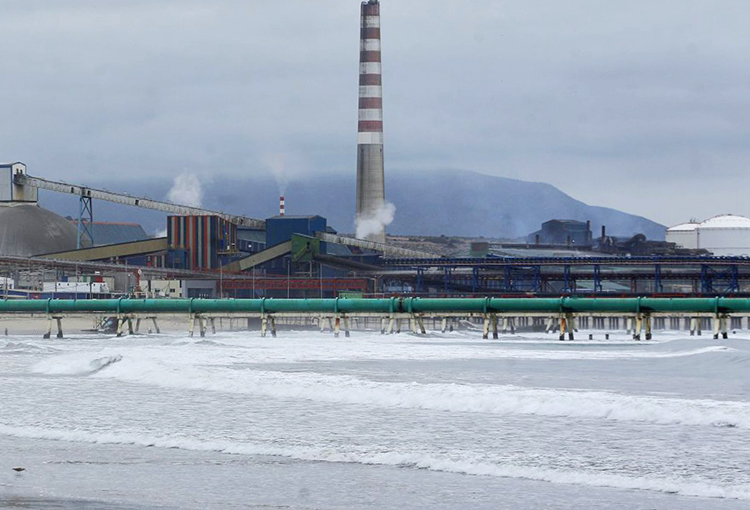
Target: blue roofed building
105	233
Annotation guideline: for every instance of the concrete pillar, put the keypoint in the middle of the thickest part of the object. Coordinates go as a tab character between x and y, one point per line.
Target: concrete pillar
156	325
48	334
347	333
638	328
336	326
495	335
59	327
391	325
272	323
420	324
563	327
120	322
717	327
647	321
263	325
486	328
571	321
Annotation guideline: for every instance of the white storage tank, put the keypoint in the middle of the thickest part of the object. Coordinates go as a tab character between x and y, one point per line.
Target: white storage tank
684	235
725	235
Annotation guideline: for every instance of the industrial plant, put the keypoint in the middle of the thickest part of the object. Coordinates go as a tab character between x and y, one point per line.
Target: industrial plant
217	254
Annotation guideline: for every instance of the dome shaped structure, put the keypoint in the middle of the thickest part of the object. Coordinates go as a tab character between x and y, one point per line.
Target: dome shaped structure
725	235
684	235
726	221
27	230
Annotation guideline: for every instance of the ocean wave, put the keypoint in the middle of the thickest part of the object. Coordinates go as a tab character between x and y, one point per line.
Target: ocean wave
473	398
465	465
312	346
26	348
75	364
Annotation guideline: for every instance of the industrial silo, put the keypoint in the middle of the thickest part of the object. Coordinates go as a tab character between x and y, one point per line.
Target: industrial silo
684	235
725	235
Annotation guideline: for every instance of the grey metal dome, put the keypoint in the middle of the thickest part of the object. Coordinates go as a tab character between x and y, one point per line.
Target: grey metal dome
28	229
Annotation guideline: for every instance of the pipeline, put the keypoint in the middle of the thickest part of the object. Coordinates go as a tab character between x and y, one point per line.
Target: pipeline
571	305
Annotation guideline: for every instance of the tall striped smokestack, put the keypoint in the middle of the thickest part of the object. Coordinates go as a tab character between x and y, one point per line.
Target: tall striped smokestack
282	206
370	168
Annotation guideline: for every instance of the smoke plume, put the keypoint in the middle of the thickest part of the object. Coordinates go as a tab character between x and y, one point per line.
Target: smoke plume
186	190
276	164
375	223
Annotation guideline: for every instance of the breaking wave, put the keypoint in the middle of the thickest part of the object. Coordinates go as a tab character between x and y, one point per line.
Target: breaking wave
469	466
26	348
75	364
472	398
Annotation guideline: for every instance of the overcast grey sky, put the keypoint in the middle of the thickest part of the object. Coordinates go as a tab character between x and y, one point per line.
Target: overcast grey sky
641	105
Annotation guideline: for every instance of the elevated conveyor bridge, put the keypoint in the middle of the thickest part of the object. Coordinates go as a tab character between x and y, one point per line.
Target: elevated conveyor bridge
565	275
87	194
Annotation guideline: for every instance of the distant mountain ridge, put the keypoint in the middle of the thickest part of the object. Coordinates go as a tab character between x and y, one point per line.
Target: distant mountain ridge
442	202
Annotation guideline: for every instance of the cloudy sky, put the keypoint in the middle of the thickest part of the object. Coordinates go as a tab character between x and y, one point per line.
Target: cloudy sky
641	105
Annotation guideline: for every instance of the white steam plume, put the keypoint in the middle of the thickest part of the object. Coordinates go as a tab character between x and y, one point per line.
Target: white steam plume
277	165
186	190
375	222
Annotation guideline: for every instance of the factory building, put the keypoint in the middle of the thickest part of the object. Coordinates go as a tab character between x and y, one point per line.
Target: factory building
198	242
114	232
370	165
723	235
563	233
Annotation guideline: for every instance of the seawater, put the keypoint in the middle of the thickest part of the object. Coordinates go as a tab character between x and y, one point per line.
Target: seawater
306	420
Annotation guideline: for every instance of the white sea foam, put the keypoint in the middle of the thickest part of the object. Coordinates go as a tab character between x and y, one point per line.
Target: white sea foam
474	398
309	346
75	364
467	465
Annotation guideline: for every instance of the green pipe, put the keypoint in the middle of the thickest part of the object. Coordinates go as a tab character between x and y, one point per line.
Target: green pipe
384	306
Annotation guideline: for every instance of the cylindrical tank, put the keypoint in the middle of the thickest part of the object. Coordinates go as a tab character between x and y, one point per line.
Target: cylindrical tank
684	235
725	235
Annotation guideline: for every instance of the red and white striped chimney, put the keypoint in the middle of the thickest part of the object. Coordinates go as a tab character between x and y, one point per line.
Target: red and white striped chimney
370	76
370	168
282	206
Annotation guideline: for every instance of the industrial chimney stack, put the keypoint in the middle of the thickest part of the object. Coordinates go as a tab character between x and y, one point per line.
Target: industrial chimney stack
282	206
370	168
